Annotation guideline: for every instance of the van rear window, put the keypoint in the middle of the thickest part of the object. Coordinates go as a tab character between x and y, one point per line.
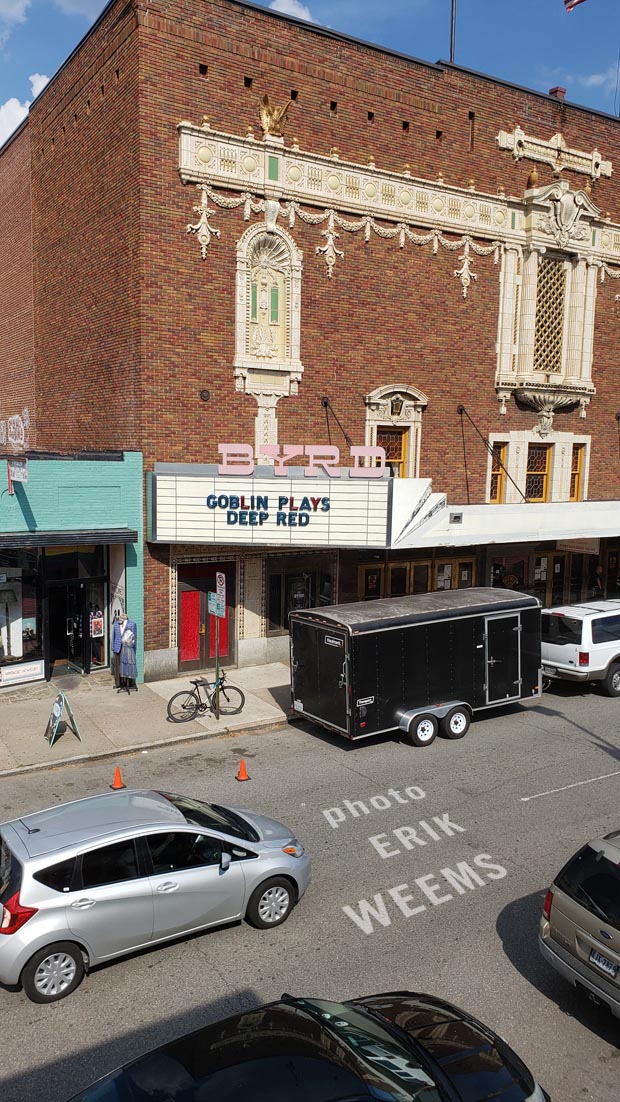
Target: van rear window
592	880
556	628
10	872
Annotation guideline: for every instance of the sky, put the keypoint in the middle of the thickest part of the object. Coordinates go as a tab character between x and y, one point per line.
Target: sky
534	43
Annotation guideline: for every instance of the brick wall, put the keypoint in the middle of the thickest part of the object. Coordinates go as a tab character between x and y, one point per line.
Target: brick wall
86	224
17	389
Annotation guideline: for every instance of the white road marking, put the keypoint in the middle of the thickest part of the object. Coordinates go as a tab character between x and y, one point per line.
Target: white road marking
552	791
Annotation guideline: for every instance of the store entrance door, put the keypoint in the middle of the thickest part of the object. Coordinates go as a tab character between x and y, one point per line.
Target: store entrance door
196	625
68	628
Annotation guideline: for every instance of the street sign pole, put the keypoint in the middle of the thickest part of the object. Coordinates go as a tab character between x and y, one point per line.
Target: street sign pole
217	667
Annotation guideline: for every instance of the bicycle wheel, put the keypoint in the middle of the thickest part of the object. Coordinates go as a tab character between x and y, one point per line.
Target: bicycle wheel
231	700
183	706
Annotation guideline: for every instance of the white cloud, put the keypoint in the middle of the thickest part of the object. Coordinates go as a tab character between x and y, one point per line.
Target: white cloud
11	12
13	111
89	8
37	83
607	80
289	7
11	114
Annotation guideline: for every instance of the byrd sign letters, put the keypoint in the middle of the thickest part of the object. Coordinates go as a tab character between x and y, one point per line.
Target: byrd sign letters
238	459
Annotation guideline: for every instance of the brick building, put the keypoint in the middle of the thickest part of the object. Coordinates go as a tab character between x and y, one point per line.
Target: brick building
408	256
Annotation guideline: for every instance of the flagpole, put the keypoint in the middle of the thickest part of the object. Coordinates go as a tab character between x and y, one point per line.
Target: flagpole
452	31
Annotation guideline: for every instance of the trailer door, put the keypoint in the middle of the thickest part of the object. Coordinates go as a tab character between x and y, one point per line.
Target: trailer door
320	673
503	658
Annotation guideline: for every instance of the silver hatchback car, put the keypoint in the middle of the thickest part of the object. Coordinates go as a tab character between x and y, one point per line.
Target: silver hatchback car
87	881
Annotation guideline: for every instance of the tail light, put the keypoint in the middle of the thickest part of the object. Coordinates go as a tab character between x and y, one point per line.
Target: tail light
584	658
547	905
13	915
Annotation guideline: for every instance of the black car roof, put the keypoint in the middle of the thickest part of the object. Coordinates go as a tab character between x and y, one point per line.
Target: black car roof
363	616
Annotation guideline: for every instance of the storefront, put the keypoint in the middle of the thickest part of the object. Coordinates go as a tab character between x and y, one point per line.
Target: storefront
62	580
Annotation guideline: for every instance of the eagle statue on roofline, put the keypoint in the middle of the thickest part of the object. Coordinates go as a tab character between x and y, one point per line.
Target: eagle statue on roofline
272	119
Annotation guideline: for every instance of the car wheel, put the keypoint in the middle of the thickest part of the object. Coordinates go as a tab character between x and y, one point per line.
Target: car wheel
456	723
611	682
423	730
53	972
271	903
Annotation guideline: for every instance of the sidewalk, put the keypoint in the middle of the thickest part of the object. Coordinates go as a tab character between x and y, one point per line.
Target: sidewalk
112	723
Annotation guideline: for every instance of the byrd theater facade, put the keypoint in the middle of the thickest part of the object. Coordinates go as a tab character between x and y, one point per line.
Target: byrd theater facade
391	284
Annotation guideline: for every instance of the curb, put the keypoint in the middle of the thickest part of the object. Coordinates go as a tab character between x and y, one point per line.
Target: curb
103	755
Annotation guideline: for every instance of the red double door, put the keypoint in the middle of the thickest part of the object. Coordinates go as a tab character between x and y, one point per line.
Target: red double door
196	625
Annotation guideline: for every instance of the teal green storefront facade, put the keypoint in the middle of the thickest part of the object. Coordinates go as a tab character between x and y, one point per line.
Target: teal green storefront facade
71	560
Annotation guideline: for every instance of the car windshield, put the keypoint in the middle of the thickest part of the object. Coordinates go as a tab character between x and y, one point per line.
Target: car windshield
390	1069
558	628
212	817
592	880
479	1065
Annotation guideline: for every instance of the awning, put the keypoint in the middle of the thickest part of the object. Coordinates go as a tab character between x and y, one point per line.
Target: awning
469	525
10	540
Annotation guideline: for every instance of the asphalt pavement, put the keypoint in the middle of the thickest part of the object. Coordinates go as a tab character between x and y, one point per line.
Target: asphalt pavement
429	871
111	723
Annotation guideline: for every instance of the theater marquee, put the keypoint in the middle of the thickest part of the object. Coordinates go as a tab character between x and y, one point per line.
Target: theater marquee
197	505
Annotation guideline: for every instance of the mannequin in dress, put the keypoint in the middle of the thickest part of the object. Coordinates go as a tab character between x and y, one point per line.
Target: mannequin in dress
128	670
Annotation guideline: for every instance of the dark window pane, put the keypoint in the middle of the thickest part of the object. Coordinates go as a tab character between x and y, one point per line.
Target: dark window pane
109	865
61	562
560	629
274	607
398	581
10	872
606	629
212	816
91	561
172	852
593	881
58	876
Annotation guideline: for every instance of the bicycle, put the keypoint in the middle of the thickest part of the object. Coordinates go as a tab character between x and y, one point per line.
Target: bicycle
186	705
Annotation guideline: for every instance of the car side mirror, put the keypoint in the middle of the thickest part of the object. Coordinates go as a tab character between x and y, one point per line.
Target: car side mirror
225	860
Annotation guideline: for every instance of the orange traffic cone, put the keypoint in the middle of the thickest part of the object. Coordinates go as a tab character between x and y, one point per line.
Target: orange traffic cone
118	780
242	775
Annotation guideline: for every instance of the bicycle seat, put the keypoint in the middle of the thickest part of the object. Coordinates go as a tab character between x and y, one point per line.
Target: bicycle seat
201	681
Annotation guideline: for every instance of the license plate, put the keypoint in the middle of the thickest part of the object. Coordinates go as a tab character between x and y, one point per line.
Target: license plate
548	669
602	963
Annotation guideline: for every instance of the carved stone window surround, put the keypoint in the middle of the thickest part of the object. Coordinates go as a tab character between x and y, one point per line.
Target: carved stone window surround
379	415
553	151
561	463
266	366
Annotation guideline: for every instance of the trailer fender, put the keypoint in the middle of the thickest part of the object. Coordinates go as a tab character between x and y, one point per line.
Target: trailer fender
438	710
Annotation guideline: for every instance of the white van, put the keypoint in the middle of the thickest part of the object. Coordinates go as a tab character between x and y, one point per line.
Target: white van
582	643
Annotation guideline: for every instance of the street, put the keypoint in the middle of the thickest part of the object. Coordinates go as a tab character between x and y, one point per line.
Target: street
429	872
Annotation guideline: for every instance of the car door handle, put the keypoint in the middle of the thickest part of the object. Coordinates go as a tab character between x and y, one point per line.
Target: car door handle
83	904
167	886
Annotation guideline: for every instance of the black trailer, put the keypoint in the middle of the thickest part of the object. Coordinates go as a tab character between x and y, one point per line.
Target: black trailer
414	663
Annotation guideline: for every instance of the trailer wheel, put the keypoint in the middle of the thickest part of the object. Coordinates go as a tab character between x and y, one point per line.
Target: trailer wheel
456	723
423	730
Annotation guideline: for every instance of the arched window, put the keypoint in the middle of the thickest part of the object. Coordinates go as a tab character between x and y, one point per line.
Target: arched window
268	317
394	422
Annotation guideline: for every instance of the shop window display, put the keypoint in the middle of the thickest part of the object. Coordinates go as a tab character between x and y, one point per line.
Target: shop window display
20	630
